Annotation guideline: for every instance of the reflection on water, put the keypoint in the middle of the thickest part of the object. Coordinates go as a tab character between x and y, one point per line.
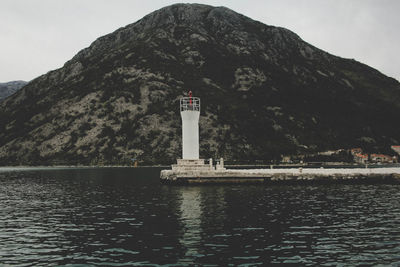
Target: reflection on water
122	216
191	220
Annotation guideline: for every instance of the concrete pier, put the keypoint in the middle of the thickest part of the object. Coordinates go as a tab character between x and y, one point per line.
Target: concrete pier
192	175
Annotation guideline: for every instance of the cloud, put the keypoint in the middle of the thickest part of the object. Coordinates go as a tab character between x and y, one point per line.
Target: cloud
41	35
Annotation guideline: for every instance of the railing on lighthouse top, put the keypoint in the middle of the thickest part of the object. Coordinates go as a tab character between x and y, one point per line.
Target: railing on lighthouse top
190	103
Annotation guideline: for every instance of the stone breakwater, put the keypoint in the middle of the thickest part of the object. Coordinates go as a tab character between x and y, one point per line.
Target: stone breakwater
298	175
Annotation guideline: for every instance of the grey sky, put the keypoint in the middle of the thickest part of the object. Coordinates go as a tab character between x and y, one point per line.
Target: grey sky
41	35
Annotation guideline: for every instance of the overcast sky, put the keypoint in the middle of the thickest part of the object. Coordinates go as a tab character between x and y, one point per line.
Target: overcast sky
41	35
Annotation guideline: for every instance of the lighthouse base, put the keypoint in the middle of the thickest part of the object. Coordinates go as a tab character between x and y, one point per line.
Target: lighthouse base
185	165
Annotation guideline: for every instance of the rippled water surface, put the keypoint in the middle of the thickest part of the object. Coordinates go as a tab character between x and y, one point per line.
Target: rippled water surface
124	216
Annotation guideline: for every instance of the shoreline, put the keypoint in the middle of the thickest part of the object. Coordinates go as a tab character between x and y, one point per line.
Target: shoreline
329	165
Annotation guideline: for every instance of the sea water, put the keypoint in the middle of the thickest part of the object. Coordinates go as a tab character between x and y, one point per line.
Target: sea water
124	216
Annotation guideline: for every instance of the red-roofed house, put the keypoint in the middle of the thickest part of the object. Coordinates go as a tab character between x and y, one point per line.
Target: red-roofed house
355	151
381	158
396	149
361	158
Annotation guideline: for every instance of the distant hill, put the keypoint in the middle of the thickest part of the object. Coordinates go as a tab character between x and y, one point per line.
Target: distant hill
9	88
264	92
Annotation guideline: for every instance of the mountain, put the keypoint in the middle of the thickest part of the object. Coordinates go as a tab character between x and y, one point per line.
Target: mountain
9	88
264	92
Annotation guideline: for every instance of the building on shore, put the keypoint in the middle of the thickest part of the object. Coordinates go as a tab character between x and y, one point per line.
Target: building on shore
381	158
361	158
396	149
355	151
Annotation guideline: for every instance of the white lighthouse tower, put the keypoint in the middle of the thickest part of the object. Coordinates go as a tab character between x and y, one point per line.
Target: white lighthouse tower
190	163
190	114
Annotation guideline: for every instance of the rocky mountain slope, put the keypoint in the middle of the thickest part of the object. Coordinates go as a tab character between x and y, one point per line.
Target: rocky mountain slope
9	88
264	91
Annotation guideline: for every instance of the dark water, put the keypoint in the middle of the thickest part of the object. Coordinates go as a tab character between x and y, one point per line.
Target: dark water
120	217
